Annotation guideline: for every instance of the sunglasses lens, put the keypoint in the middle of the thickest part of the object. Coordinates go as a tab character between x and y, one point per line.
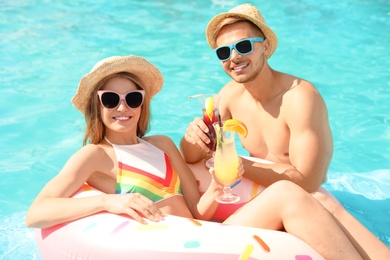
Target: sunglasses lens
244	47
134	99
110	100
223	53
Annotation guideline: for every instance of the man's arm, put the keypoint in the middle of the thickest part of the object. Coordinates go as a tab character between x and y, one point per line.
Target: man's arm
310	144
193	145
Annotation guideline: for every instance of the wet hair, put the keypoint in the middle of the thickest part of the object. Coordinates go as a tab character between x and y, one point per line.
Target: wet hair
95	128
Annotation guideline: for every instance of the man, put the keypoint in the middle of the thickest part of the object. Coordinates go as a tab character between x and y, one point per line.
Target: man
286	117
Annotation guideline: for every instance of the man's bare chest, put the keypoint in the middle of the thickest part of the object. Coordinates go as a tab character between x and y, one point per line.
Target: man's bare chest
268	136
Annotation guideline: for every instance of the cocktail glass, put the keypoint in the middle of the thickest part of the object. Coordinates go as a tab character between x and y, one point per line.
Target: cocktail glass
226	163
209	120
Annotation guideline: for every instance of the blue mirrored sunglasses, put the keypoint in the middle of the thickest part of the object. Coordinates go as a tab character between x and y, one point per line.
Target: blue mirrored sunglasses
242	47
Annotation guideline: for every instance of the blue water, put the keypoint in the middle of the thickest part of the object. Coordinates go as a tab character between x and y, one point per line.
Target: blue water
343	47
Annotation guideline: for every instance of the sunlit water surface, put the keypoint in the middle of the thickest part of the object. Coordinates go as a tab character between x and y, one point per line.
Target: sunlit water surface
46	46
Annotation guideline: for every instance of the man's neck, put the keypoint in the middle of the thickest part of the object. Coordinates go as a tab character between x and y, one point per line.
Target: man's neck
264	86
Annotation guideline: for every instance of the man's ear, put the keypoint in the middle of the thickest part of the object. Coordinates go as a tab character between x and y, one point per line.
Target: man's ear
266	47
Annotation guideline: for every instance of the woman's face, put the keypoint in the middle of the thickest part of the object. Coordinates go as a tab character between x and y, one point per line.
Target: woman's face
121	119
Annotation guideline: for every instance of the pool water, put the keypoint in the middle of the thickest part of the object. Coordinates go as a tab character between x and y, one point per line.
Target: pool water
343	47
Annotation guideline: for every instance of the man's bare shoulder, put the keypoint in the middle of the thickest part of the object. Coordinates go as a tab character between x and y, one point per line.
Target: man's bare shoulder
300	90
303	99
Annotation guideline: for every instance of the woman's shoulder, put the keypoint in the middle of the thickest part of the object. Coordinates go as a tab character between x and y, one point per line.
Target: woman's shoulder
91	151
87	160
158	139
163	142
92	148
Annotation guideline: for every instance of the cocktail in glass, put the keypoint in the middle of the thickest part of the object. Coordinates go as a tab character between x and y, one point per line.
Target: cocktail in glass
226	164
209	103
209	121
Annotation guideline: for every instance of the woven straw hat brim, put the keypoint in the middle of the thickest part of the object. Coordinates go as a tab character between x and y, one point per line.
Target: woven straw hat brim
150	77
211	30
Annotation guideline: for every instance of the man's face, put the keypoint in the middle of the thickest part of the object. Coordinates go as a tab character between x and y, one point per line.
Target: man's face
242	68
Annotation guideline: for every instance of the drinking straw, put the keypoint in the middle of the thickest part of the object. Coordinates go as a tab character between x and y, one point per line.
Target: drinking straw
197	95
199	100
220	124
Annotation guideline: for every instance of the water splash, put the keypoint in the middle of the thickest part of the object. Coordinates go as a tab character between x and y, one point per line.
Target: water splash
374	185
17	241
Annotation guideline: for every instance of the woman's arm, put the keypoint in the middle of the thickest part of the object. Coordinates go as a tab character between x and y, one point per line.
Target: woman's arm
53	204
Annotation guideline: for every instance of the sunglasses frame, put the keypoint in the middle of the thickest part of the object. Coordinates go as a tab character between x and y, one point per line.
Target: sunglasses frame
121	97
233	46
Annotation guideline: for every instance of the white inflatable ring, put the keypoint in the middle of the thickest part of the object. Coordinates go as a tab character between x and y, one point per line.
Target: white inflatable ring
110	236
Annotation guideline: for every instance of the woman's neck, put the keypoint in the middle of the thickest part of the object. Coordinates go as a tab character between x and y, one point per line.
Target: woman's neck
122	139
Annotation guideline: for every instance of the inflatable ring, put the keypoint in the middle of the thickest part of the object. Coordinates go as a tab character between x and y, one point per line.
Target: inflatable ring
246	189
110	236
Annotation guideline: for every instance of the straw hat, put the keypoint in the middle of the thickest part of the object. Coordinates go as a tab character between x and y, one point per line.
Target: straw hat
247	12
150	77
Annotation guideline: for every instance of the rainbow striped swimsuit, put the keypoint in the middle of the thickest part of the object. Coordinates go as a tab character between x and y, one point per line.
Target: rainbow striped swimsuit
145	169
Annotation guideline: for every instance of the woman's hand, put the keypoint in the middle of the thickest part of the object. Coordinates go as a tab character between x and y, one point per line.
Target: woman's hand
134	205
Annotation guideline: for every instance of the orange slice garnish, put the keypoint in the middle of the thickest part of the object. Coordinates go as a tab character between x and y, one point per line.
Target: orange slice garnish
235	125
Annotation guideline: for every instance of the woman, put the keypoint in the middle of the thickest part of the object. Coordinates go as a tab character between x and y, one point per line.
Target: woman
115	100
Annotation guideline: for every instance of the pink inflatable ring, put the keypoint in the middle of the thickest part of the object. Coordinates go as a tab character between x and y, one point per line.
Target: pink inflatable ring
110	236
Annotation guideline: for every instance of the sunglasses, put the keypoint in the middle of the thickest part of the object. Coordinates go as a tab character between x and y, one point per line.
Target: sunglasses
242	47
111	99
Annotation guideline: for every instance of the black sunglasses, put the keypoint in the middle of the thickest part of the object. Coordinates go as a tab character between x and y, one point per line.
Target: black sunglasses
242	47
111	99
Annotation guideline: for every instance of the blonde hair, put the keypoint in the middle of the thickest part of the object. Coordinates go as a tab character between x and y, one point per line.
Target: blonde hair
95	128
